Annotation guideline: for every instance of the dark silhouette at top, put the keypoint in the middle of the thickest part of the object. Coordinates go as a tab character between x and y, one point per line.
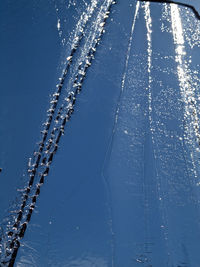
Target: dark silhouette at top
197	14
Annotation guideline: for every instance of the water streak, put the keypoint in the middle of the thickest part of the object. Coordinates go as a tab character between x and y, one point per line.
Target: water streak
61	109
109	150
148	20
187	89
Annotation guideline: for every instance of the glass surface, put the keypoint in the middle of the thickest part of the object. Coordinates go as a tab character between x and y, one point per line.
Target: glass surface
99	135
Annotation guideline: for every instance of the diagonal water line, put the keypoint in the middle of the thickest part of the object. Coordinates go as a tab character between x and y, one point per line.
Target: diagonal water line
148	20
191	131
109	149
14	243
78	36
122	85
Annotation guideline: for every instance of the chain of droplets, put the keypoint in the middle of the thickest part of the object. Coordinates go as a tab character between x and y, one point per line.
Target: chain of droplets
37	155
25	213
78	36
54	101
